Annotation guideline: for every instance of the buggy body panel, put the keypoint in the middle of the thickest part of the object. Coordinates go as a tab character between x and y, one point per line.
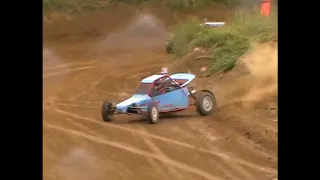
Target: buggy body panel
140	100
173	101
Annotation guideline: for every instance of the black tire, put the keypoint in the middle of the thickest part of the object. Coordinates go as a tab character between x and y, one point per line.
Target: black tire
203	107
152	114
106	115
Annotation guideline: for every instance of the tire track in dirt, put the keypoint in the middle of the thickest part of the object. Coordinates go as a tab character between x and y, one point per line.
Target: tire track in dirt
61	84
157	150
255	148
227	172
67	66
86	129
158	169
67	71
153	163
241	132
221	155
135	151
212	139
69	105
78	79
112	75
90	87
68	101
120	95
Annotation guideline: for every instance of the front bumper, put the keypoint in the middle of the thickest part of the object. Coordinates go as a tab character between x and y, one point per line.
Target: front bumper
131	110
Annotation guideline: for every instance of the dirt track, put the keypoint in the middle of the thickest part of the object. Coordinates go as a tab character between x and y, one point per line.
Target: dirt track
83	69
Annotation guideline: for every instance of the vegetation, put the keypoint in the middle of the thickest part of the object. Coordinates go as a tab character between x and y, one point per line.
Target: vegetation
71	5
194	4
77	5
226	43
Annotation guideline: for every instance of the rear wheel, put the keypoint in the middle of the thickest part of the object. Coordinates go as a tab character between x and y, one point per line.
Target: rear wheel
106	111
205	103
152	114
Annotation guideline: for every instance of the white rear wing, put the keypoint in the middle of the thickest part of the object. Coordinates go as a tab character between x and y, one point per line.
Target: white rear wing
186	78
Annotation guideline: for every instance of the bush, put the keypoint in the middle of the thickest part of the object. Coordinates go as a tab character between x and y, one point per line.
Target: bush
75	5
193	4
227	43
70	5
129	1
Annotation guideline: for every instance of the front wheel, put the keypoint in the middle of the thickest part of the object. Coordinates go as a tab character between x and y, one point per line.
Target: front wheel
205	103
106	111
152	114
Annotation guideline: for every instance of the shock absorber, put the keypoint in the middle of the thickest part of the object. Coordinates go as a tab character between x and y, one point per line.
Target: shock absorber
191	92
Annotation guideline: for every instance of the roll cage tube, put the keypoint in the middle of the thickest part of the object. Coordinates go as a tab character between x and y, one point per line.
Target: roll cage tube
166	76
146	88
153	83
150	86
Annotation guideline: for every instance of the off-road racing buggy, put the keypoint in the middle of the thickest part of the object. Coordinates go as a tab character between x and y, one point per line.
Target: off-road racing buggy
162	93
170	44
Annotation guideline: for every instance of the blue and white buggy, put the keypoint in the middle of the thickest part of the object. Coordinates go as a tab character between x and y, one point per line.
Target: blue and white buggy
163	93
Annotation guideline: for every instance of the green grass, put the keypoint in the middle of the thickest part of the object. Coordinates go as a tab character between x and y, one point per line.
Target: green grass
129	1
70	5
195	4
227	43
79	5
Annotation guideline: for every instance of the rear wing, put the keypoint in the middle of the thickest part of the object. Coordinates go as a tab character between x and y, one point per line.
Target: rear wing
183	79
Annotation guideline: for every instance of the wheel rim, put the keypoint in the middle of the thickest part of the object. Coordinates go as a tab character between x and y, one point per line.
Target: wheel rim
154	114
207	103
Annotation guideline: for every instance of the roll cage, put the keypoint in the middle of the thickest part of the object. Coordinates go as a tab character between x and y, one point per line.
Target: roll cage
159	86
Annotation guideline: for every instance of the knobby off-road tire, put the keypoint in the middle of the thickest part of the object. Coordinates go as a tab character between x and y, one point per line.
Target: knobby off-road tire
152	114
205	103
106	116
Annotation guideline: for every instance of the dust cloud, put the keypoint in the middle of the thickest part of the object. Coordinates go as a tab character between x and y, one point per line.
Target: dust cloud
49	55
142	33
255	77
76	165
262	62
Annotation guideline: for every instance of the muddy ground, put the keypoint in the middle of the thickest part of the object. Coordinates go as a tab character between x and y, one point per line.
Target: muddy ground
99	56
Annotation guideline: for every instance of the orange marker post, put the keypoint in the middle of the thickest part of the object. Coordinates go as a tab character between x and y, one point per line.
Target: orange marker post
265	7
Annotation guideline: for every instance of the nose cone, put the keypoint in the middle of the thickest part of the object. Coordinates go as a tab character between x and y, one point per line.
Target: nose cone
136	98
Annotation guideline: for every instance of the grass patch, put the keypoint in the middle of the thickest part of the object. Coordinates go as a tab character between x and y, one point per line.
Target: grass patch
71	5
79	5
195	4
133	2
227	43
